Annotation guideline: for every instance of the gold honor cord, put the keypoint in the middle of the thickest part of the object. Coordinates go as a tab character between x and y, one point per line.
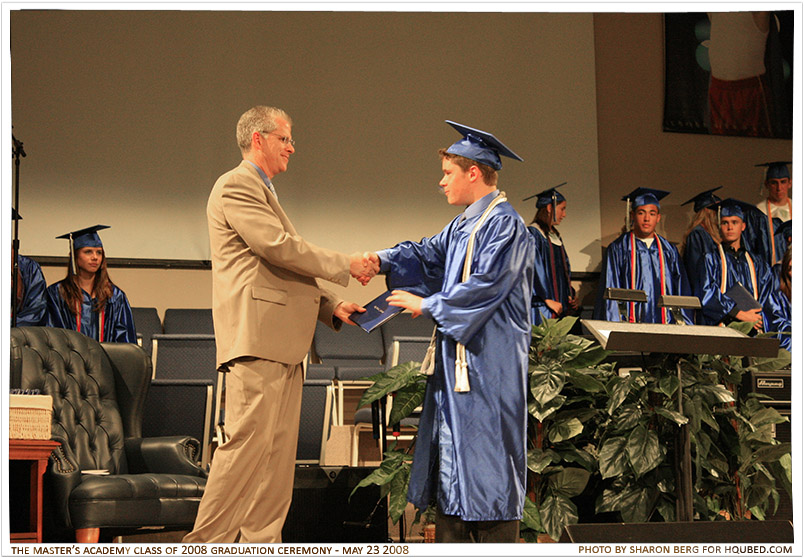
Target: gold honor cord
461	369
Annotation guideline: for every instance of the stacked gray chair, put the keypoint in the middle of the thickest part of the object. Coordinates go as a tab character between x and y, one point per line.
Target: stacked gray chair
147	323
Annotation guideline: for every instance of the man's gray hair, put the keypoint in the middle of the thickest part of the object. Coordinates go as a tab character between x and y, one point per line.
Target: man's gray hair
257	119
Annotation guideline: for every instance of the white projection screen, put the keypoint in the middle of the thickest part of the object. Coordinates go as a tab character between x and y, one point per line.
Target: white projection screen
128	117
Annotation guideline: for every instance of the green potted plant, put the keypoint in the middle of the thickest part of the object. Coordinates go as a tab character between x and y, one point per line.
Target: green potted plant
604	441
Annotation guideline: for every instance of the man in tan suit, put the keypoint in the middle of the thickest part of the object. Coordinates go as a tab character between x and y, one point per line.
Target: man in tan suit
265	301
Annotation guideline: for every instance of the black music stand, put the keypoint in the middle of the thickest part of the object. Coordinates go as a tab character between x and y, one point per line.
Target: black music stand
680	339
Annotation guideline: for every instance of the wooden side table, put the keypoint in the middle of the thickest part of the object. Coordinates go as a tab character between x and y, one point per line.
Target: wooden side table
37	452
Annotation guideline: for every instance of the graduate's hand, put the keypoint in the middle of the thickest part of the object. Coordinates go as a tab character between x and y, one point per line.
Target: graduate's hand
554	305
363	267
346	309
404	299
752	316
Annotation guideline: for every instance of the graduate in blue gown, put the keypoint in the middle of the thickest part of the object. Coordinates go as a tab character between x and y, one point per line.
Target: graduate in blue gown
470	452
642	260
732	264
777	208
703	234
87	300
553	295
779	311
30	307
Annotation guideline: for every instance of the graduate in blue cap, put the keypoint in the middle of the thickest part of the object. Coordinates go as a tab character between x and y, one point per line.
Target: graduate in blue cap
641	259
30	307
778	206
87	300
553	295
474	279
732	263
703	234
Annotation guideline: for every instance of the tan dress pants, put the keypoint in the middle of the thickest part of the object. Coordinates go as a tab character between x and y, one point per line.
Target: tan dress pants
250	483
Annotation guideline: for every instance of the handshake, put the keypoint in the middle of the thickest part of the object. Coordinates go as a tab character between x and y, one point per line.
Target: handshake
364	266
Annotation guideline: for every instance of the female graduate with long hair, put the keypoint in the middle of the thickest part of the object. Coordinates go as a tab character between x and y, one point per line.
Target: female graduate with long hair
703	234
87	300
553	295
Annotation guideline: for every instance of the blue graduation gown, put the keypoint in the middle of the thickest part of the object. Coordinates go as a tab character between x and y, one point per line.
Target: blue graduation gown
779	312
698	244
118	319
756	237
716	306
616	274
471	446
34	306
551	278
782	237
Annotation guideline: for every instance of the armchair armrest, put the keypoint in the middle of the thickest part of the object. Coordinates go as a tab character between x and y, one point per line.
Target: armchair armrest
165	454
63	475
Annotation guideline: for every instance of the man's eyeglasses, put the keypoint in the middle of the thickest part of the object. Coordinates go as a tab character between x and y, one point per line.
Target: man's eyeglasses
284	139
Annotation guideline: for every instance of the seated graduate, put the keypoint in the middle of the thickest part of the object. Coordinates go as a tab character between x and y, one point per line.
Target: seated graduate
641	259
777	206
30	307
779	312
87	300
732	263
553	295
703	234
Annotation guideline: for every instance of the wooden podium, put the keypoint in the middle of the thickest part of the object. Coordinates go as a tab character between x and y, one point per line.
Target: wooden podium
37	452
680	339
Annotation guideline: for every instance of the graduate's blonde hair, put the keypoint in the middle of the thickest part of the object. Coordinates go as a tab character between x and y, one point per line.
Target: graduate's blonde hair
489	174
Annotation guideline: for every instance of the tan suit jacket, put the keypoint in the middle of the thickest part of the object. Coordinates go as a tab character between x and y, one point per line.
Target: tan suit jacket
265	297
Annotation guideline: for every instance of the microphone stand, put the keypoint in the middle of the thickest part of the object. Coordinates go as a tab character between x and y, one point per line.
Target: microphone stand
17	151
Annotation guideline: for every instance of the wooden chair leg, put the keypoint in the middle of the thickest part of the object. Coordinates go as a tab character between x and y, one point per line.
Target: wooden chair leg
91	535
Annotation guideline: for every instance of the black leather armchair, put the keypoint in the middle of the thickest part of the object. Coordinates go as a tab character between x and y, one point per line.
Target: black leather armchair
98	395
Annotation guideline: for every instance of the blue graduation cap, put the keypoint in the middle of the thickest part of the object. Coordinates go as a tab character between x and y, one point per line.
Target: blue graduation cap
776	169
83	238
704	199
549	196
731	207
480	146
644	196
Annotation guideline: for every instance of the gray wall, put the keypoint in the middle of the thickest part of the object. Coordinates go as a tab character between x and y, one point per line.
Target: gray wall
129	117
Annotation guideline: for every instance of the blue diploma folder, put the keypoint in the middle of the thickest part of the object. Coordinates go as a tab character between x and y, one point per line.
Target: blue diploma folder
377	313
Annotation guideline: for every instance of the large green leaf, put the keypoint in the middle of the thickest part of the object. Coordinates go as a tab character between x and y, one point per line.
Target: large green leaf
585	382
589	357
674	416
393	380
557	512
405	401
771	364
541	412
569	453
539	459
546	383
570	481
530	516
618	389
613	459
637	502
668	385
627	417
765	455
397	498
644	451
561	430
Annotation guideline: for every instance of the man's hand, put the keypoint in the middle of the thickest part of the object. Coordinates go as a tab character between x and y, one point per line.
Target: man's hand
554	305
752	315
364	266
346	309
406	300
